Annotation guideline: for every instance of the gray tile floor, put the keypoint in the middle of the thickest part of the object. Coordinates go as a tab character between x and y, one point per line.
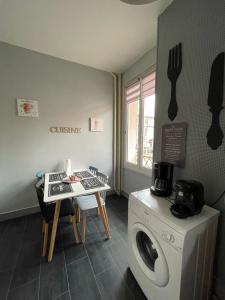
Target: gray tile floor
96	270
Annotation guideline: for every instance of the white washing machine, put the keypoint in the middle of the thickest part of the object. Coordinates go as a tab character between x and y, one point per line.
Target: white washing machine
171	259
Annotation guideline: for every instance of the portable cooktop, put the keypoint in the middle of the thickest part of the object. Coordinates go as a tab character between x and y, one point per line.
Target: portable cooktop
83	174
91	183
57	177
59	188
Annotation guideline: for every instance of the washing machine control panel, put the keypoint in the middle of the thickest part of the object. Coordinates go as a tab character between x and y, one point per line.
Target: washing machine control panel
175	241
168	234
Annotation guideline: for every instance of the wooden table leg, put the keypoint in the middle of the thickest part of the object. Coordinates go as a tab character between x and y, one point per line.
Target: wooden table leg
84	226
43	227
104	221
54	229
74	223
45	239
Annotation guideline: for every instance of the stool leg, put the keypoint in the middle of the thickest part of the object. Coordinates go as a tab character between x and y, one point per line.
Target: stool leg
45	239
106	218
78	215
84	224
102	215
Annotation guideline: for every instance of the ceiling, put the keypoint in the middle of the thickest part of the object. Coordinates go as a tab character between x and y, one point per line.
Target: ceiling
105	34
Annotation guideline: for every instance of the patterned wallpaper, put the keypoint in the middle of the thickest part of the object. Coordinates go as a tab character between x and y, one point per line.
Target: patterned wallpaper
200	26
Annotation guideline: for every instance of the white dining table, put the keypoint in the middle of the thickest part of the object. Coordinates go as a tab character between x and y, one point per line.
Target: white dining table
77	190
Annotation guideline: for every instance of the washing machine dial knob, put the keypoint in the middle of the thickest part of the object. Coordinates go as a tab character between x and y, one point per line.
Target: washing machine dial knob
170	237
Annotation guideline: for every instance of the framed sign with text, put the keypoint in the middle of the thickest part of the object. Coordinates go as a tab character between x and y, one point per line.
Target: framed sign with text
174	143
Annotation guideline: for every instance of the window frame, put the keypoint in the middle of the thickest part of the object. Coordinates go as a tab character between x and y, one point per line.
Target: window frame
139	168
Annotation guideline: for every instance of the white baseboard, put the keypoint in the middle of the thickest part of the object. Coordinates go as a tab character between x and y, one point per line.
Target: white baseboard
34	209
19	213
125	194
111	193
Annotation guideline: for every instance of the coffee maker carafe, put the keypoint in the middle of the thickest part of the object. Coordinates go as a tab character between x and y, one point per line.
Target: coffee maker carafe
163	179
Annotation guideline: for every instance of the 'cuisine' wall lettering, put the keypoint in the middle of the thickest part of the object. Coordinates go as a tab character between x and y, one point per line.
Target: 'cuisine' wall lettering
56	129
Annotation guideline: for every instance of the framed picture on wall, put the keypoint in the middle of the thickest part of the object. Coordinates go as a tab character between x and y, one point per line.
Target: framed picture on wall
96	124
27	108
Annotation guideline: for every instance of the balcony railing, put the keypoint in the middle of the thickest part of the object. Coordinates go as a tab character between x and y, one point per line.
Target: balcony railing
147	160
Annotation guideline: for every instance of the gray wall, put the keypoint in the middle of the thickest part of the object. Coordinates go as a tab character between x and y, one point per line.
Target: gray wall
68	95
200	26
143	64
133	180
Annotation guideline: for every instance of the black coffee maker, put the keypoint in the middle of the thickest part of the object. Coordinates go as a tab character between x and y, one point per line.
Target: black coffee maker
189	198
163	179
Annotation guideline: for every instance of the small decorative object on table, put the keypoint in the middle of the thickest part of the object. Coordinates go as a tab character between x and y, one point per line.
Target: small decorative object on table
72	179
68	168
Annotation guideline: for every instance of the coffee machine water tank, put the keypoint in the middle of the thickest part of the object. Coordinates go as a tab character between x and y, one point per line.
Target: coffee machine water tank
162	178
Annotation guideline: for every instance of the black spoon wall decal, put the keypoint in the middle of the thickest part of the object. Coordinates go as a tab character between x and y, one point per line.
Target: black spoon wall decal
173	72
215	100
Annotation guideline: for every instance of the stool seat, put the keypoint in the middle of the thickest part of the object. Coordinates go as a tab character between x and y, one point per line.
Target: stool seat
88	202
67	209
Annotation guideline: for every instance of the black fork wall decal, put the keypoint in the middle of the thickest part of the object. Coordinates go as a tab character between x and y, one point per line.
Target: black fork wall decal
173	72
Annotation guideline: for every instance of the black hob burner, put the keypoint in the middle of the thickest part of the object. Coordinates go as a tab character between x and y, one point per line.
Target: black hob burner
83	174
59	188
57	177
91	183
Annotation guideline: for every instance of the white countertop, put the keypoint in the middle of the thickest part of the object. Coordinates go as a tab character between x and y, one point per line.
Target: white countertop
78	189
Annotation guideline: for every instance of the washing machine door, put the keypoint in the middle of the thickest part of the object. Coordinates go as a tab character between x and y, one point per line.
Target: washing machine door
149	255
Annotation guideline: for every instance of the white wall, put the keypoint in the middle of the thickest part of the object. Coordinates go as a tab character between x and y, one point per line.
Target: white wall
68	95
200	26
133	180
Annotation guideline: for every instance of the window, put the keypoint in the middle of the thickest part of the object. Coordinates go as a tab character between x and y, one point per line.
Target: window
140	111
